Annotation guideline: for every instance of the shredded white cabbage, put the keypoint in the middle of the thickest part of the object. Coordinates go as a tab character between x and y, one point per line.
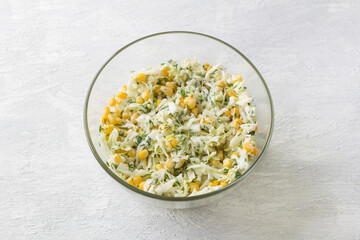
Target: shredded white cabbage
180	129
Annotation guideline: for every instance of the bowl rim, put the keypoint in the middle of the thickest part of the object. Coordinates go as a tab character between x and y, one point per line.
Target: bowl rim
160	197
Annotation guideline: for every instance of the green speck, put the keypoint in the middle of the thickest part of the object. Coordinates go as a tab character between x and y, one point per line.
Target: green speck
182	92
138	140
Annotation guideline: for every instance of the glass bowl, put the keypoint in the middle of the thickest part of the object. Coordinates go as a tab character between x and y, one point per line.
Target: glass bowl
160	47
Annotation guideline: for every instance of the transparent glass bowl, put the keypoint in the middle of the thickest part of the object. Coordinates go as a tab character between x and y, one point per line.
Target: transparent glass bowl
152	50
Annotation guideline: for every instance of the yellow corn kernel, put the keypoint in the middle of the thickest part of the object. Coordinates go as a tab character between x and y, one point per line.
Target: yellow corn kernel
223	183
124	88
236	123
213	183
256	128
220	154
227	113
113	119
126	115
239	131
121	95
191	103
171	85
143	154
168	91
220	85
120	151
182	161
140	77
169	163
130	181
205	66
107	137
106	110
186	100
182	103
117	120
238	78
171	143
103	119
165	71
236	111
157	89
230	92
227	162
248	147
107	129
137	180
117	159
141	186
117	112
145	95
166	128
236	99
112	102
207	120
134	117
194	186
139	100
158	102
159	166
254	151
235	154
195	111
131	153
208	68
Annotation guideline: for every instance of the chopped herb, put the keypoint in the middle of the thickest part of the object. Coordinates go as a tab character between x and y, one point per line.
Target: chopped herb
151	122
138	140
182	92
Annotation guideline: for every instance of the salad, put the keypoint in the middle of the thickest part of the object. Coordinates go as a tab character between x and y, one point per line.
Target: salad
180	129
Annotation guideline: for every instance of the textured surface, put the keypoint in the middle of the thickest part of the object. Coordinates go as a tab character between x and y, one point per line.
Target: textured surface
307	187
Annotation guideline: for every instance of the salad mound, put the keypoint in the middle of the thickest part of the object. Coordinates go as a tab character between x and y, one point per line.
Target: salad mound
180	129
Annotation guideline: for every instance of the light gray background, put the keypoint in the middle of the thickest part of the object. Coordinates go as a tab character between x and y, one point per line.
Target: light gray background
307	186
